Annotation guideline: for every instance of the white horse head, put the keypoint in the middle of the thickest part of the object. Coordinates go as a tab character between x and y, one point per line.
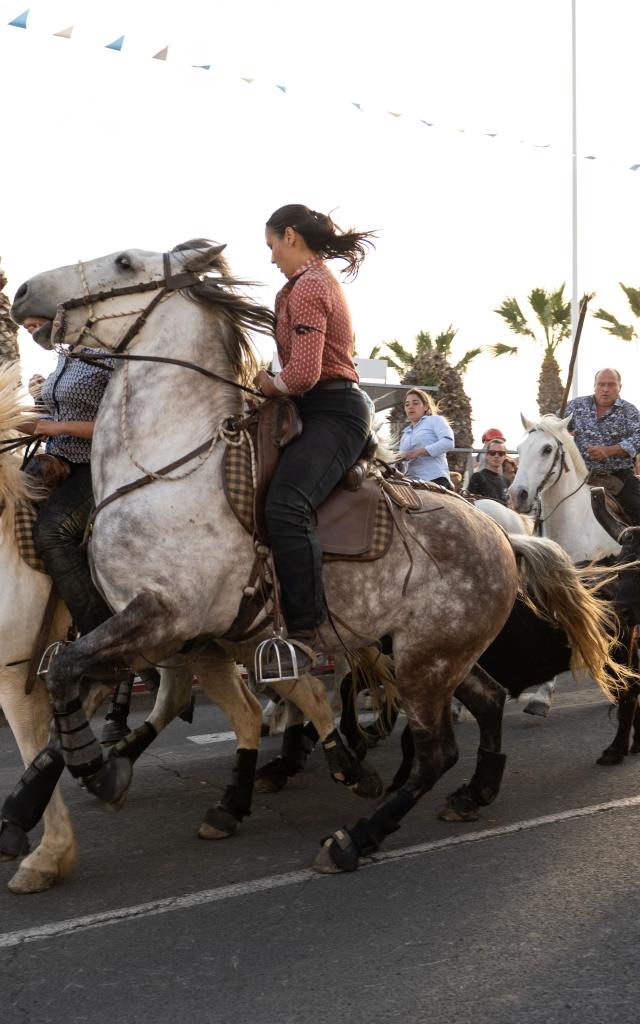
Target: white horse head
99	298
552	470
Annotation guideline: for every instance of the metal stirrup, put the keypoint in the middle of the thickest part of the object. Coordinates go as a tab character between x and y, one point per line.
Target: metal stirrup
48	656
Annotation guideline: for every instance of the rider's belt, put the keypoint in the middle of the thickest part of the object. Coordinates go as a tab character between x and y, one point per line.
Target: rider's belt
335	385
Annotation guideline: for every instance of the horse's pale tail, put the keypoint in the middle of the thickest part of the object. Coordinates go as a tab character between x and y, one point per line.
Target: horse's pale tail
12	412
552	586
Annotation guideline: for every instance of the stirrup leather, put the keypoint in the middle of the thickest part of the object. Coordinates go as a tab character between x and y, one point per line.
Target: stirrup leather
271	650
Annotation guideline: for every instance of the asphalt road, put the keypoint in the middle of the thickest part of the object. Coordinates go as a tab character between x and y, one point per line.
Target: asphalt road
529	915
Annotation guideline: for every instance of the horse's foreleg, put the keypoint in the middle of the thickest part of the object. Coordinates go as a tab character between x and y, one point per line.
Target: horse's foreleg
145	623
224	686
298	741
37	796
485	699
627	712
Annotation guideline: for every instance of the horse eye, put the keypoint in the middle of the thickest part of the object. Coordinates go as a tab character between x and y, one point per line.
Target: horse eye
547	449
124	262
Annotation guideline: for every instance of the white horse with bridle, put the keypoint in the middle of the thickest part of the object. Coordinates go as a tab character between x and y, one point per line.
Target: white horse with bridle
173	561
552	472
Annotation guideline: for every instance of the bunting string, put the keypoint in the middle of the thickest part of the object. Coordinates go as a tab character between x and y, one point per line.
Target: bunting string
21	21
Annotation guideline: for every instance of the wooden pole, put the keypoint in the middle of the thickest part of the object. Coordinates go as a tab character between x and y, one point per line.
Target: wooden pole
574	353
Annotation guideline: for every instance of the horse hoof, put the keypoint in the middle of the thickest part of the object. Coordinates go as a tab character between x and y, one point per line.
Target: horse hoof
335	859
218	824
369	787
111	782
536	707
27	881
452	813
610	757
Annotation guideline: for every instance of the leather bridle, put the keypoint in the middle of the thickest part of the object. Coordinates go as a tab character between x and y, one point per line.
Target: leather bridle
560	460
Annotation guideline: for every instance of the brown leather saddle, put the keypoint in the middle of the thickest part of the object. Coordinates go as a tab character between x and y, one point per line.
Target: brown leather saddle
348	524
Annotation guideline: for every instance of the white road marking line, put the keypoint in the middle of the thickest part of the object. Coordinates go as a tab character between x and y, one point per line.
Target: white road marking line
197	899
213	737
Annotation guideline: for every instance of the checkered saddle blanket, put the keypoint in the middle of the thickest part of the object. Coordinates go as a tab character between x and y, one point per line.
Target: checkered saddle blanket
25	517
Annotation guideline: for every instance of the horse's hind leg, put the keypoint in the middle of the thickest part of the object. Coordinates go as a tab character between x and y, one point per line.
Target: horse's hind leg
485	699
426	699
539	702
627	712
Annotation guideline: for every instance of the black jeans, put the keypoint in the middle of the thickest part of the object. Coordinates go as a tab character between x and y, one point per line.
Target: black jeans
629	496
627	597
58	534
336	424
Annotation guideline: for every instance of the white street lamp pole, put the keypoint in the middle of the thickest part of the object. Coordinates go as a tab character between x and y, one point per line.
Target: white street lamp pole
574	198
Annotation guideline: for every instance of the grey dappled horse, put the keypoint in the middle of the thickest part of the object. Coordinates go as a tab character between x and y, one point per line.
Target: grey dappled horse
171	558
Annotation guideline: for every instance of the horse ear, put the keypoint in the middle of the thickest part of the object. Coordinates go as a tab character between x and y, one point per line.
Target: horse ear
199	260
527	424
566	421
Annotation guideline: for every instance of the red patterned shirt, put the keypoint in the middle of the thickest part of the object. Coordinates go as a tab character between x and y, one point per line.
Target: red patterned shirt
313	330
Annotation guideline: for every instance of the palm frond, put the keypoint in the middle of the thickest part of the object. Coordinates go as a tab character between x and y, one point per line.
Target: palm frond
444	340
467	357
374	352
633	295
423	342
403	356
514	317
502	350
614	327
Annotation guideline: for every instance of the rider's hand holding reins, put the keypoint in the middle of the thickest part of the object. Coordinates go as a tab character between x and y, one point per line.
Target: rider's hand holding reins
265	383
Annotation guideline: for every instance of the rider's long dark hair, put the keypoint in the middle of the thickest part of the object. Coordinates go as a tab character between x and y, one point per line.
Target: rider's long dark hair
323	236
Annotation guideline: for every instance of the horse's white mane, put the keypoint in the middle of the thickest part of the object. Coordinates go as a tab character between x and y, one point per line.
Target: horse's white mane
555	426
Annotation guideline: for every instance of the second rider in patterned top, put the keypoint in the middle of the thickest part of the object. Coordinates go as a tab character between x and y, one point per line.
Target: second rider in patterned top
315	346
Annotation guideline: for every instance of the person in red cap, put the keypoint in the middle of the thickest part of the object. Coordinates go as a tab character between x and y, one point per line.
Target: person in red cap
493	434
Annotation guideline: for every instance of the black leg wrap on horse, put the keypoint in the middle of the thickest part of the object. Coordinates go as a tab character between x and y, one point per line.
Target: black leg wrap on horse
135	743
238	795
296	747
111	781
369	833
14	841
27	803
80	749
487	777
343	765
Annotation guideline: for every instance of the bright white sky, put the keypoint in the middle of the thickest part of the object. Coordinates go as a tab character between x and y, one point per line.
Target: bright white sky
104	150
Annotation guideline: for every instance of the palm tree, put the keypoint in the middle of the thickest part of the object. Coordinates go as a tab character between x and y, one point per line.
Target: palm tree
8	327
431	365
554	318
613	326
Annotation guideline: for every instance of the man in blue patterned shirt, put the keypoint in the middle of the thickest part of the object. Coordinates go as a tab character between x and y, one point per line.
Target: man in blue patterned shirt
607	433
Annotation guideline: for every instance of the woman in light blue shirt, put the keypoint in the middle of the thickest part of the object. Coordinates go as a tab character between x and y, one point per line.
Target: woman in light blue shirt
425	440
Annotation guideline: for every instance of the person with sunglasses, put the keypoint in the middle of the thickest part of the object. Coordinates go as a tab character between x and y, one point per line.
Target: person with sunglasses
489	482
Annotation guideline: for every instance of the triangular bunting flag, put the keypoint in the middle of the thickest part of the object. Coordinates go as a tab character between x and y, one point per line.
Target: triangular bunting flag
635	167
21	20
161	54
429	124
203	67
116	44
356	105
282	88
589	157
64	33
393	114
249	81
491	135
